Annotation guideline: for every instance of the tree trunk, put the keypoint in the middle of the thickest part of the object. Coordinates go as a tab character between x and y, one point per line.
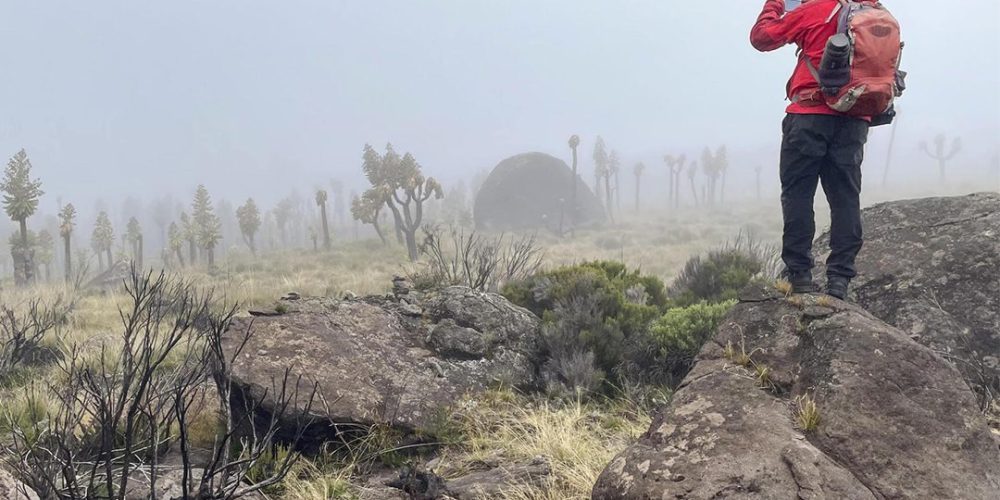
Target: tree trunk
399	228
638	180
192	253
69	259
722	190
26	254
211	257
139	253
888	155
253	246
618	193
607	196
48	272
572	202
100	261
326	228
694	192
677	189
398	221
378	231
111	262
670	187
411	244
180	256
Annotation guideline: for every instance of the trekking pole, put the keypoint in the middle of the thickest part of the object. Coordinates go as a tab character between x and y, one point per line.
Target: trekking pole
888	156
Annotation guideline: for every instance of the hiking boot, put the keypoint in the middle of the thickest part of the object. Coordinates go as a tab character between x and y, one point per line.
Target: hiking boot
836	286
802	281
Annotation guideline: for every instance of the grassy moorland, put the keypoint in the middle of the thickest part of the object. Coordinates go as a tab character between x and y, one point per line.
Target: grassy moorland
578	435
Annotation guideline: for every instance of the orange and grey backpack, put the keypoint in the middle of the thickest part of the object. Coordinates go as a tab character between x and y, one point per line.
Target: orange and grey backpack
859	73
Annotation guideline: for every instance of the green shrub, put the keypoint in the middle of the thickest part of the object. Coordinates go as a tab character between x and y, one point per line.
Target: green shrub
612	281
589	311
721	274
680	333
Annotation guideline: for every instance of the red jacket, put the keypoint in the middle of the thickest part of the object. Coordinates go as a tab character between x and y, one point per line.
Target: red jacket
809	27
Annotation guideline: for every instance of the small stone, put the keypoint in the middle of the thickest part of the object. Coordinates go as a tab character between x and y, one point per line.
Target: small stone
411	309
453	341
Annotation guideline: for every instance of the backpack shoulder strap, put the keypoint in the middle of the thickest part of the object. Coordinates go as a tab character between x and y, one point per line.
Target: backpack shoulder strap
836	9
812	69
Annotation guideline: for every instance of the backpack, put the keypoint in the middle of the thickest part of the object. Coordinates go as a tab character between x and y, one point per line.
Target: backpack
870	79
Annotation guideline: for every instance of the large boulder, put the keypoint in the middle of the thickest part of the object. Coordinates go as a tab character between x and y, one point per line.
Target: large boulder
895	419
930	267
401	360
533	191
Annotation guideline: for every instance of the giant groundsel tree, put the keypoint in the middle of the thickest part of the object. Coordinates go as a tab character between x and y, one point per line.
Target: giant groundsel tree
20	200
399	181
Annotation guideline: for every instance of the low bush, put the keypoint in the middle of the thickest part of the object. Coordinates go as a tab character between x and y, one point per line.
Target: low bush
109	416
679	334
591	313
606	327
22	331
719	275
455	257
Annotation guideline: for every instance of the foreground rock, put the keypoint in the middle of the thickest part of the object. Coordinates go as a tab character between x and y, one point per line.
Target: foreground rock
402	360
12	489
930	267
895	419
533	191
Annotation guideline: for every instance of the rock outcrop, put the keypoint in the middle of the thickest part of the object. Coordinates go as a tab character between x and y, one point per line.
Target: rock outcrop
895	419
931	267
402	360
533	191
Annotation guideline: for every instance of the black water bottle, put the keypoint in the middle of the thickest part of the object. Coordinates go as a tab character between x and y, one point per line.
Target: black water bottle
835	67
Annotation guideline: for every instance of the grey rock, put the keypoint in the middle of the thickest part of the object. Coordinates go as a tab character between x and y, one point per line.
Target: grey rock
896	420
453	341
376	364
411	309
533	191
930	267
12	489
401	286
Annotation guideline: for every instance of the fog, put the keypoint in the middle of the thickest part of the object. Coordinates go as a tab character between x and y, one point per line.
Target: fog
124	99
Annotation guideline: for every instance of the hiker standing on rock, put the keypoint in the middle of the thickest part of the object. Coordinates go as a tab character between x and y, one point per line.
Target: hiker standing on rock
845	81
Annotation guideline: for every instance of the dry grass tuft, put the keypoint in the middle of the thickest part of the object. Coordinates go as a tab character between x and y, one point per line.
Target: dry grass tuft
764	377
739	355
807	413
579	439
783	286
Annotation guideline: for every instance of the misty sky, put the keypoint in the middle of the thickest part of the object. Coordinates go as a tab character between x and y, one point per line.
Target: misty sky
119	98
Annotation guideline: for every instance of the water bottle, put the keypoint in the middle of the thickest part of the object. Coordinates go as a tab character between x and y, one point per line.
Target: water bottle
835	67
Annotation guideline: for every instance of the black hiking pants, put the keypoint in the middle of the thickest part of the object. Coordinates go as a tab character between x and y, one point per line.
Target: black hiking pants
822	149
